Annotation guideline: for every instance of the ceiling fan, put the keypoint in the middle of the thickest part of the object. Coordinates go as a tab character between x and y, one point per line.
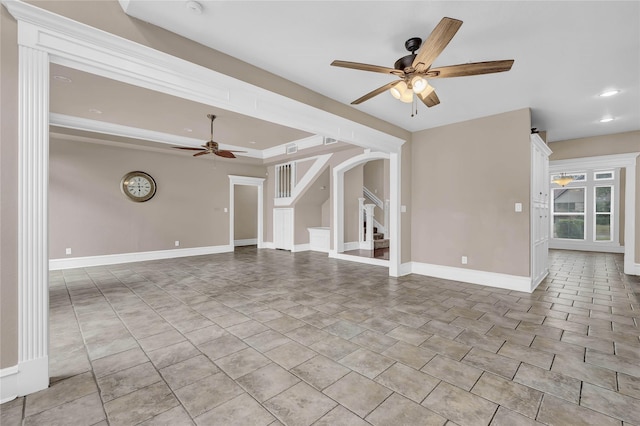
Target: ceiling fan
415	69
210	147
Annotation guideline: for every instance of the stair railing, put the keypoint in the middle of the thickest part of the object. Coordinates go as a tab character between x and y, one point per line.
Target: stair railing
365	220
285	179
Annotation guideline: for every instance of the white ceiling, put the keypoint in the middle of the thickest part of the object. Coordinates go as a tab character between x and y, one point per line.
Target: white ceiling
566	53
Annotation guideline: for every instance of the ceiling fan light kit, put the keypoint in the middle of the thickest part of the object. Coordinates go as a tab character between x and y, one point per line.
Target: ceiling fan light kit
414	70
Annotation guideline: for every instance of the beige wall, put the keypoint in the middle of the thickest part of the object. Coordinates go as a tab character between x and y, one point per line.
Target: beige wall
352	191
89	214
308	208
466	179
619	143
245	221
8	191
306	216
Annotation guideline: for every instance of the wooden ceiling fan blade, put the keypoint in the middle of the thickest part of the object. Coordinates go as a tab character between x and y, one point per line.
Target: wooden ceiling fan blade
428	97
375	92
200	153
188	148
224	153
475	68
366	67
435	43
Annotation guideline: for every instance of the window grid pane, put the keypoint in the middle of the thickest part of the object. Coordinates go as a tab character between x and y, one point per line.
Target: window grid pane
603	227
568	200
603	199
569	227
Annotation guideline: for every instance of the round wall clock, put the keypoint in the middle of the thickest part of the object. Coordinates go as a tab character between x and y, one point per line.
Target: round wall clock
138	186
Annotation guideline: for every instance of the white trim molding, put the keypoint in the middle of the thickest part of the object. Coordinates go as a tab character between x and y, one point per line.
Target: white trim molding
248	181
393	229
245	242
490	279
585	246
105	128
300	247
112	259
33	221
359	259
8	384
628	161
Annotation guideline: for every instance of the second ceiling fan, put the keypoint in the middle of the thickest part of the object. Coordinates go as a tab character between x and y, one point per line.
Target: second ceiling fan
211	147
415	69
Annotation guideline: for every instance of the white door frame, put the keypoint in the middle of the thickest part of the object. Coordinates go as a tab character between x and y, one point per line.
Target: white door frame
45	37
394	227
247	181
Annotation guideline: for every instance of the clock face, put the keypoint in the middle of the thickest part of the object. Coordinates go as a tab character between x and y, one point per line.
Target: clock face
138	186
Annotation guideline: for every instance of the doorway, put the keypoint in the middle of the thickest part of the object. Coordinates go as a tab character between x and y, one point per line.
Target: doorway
246	211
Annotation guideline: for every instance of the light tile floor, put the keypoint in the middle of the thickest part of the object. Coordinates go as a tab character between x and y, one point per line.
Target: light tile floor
269	337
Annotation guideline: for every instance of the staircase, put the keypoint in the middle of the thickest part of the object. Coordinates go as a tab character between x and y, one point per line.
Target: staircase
379	241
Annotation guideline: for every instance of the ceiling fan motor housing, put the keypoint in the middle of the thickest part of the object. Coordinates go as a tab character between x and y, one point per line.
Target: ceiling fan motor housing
411	45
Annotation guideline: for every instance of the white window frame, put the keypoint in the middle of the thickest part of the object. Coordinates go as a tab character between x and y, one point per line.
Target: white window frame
613	223
554	213
589	243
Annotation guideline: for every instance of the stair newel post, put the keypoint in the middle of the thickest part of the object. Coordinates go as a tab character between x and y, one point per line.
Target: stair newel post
369	232
361	221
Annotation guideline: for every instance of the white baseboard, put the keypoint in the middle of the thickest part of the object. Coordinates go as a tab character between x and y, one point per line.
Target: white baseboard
354	245
30	376
8	384
301	247
491	279
246	242
635	269
584	246
405	269
359	259
110	259
268	245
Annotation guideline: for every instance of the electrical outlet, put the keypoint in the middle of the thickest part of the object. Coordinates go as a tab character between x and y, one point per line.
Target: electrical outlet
67	251
177	243
464	260
518	207
226	210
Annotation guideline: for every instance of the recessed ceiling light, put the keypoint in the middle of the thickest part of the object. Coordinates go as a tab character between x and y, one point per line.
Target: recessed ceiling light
194	7
609	93
606	119
252	142
62	78
95	111
187	129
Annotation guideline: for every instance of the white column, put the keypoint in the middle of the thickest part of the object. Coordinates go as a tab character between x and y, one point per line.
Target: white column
361	220
369	233
629	218
394	229
386	218
33	261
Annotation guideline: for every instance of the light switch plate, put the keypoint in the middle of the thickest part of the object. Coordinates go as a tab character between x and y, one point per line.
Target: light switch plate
518	207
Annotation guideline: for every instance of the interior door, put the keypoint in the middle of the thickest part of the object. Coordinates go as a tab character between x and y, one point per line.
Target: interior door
283	228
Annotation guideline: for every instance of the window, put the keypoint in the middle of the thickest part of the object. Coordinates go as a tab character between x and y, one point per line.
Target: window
569	213
603	223
584	212
577	177
603	175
